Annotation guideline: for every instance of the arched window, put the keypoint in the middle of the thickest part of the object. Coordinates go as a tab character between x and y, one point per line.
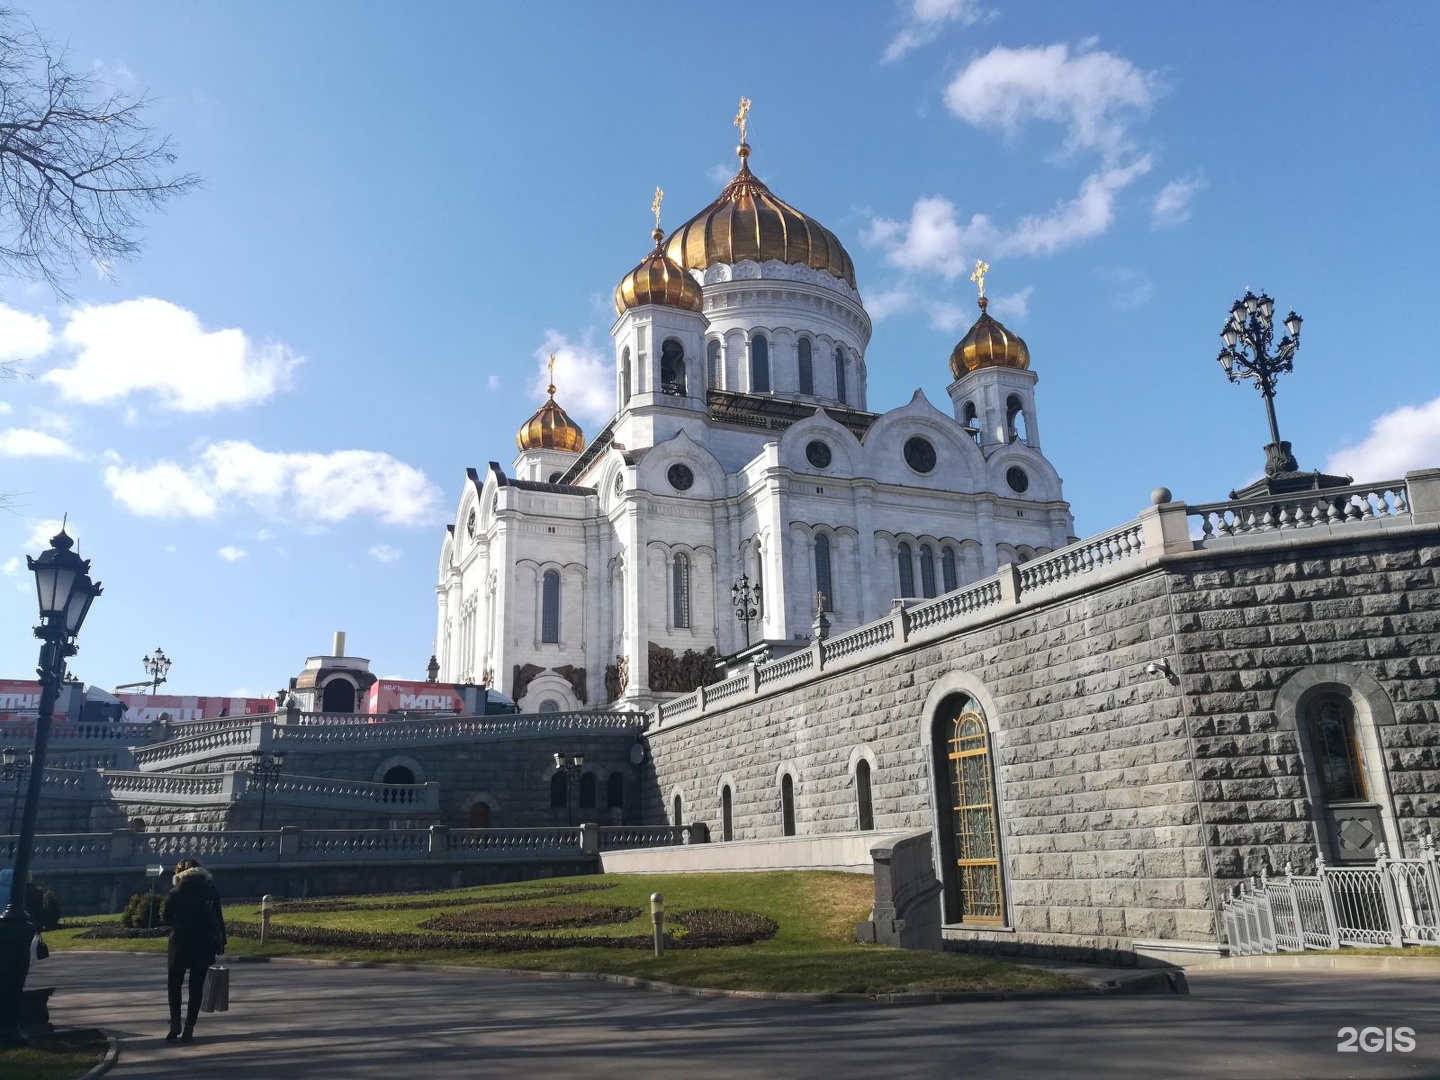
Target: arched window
398	774
1330	727
680	590
677	808
947	570
927	571
625	377
712	364
822	570
787	805
1015	419
971	828
672	368
727	825
759	365
971	420
549	705
865	807
807	367
480	815
587	791
339	696
840	391
615	791
550	607
905	563
560	790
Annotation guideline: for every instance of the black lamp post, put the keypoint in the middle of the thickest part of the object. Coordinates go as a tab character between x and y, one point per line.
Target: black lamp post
746	600
13	767
265	769
1247	355
65	591
432	669
157	666
571	765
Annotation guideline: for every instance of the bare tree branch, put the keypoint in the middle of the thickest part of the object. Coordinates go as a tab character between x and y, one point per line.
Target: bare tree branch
79	167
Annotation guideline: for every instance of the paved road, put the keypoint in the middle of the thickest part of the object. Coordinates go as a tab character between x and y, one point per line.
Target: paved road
295	1020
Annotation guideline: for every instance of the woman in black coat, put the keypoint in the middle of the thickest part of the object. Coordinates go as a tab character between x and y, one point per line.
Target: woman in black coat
197	936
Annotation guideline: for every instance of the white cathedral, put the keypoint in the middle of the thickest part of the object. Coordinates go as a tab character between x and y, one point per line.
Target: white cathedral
741	453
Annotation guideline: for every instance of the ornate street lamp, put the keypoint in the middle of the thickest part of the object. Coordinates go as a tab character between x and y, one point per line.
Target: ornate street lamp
571	765
745	598
157	666
432	669
265	769
1247	335
13	767
65	593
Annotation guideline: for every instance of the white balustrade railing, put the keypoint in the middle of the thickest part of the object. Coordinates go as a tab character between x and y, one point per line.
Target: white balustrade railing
294	790
728	687
167	787
956	605
1395	902
435	730
859	640
1083	557
22	733
679	706
613	837
1250	519
513	841
794	664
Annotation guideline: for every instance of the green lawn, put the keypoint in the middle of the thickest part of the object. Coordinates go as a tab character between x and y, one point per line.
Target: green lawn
62	1056
814	950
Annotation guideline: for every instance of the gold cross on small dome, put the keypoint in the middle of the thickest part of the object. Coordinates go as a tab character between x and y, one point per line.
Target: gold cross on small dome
551	367
981	269
741	120
655	206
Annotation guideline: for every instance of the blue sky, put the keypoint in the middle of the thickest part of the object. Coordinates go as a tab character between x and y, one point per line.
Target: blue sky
260	426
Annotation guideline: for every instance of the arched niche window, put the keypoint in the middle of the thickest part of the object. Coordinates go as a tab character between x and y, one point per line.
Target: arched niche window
339	696
1015	419
677	810
680	590
927	571
479	817
712	364
550	607
398	774
588	784
727	823
905	563
672	368
864	805
560	790
615	791
840	389
948	573
970	418
549	705
787	805
759	365
807	367
1330	726
625	377
823	584
970	830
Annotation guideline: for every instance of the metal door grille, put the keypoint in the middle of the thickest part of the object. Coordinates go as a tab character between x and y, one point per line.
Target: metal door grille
977	846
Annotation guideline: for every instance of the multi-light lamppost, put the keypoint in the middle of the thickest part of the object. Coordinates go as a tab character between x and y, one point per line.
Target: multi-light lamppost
1247	335
13	766
265	769
571	765
65	592
745	598
157	666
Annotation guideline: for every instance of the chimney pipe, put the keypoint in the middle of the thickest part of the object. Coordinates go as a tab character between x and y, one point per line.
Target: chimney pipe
339	643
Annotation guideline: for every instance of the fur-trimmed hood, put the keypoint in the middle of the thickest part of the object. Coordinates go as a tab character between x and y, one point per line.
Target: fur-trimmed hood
196	873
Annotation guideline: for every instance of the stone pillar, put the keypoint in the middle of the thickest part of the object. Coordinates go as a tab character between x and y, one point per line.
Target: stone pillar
589	838
1423	486
289	842
1164	527
439	841
122	846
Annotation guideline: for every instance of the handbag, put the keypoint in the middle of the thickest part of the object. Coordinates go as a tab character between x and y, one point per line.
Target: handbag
217	989
41	950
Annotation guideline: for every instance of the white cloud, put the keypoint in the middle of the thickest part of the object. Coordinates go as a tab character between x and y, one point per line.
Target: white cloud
293	485
384	553
1172	205
948	317
584	378
933	239
11	566
1399	441
891	302
54	422
1084	217
150	345
1129	288
1014	305
23	442
721	174
264	534
42	529
492	382
1093	94
23	336
5	408
232	554
926	18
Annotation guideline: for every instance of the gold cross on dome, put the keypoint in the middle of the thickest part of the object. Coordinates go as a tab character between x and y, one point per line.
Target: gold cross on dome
552	374
741	117
655	206
981	269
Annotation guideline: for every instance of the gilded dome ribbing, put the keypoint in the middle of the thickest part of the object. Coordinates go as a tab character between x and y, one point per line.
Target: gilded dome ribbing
747	222
988	344
550	429
657	280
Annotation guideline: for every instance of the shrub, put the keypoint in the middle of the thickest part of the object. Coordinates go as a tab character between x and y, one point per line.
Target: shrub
143	911
49	917
483	920
285	907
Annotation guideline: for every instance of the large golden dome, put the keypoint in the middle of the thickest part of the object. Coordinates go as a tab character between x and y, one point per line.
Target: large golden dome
988	344
748	222
657	280
550	429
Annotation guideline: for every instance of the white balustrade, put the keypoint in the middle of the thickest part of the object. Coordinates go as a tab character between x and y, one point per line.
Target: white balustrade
1327	510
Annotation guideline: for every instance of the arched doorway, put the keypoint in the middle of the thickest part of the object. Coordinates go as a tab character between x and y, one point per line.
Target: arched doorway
398	774
970	832
480	815
339	696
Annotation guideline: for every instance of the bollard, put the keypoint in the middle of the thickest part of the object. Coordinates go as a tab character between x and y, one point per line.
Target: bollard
657	912
265	902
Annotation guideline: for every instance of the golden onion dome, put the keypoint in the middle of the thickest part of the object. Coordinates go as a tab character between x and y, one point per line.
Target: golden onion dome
550	428
657	280
988	344
747	222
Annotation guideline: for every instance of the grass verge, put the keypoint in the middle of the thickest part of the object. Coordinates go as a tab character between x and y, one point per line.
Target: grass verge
814	949
61	1056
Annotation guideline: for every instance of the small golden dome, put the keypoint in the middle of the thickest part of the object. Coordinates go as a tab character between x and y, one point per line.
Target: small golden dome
657	280
988	344
551	429
748	222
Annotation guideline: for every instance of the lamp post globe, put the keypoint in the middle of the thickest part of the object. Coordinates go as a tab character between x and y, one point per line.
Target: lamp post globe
64	592
1248	335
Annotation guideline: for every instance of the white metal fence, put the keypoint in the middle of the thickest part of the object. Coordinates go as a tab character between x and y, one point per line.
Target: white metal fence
1395	902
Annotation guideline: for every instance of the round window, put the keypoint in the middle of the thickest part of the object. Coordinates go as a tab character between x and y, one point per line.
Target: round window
471	528
1017	478
920	454
619	484
817	453
680	477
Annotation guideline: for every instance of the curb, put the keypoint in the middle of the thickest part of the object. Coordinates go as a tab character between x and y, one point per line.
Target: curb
1392	965
105	1064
